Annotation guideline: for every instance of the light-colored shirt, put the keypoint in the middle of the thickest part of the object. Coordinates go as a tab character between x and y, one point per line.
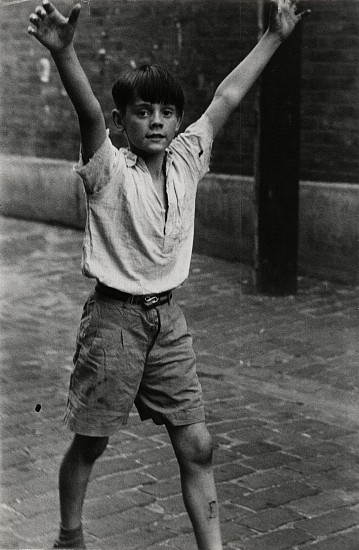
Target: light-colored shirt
130	243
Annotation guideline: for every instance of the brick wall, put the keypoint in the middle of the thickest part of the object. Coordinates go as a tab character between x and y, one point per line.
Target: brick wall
200	41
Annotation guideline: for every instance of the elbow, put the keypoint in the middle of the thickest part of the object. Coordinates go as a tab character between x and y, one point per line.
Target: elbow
91	115
228	98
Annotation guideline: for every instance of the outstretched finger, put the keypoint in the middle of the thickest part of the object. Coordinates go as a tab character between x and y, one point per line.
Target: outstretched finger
281	4
74	15
34	20
40	12
48	7
293	6
31	30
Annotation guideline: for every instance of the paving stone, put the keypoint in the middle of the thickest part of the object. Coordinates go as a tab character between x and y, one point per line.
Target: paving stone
238	424
36	504
9	516
283	539
121	522
324	502
13	493
41	524
183	542
172	505
331	522
40	485
269	478
113	504
177	524
231	492
21	475
340	541
163	471
234	531
114	465
224	455
14	459
275	496
10	540
158	455
162	546
317	449
132	540
280	393
163	489
137	446
230	512
232	471
116	483
245	435
227	409
268	520
317	429
318	464
270	460
334	479
255	448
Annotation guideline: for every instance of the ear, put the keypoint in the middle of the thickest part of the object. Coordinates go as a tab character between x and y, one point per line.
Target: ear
118	120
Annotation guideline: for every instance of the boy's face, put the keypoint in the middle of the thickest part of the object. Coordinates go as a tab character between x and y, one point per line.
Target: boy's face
149	127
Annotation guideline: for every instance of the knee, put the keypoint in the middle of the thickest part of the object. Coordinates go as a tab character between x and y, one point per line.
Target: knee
204	450
198	451
90	448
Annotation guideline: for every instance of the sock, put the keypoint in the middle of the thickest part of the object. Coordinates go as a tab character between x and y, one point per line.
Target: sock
70	538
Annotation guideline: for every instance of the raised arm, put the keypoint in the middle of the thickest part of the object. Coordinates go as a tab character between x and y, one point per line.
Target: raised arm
230	92
56	33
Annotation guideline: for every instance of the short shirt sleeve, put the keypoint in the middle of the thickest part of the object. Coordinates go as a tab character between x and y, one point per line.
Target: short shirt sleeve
195	145
98	171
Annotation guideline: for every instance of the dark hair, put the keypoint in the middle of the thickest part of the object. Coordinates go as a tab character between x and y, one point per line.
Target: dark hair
151	83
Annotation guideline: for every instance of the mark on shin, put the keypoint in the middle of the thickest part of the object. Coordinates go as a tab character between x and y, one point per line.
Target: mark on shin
213	509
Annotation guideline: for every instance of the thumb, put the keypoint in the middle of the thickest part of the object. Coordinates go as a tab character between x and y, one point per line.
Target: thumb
304	14
274	10
74	15
273	14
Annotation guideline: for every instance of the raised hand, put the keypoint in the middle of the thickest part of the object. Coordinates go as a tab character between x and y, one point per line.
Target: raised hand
283	18
51	28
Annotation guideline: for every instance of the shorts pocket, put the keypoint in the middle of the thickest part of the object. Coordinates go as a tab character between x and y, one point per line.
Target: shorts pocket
88	328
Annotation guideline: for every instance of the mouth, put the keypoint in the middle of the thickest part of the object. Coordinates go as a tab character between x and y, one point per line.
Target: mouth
155	137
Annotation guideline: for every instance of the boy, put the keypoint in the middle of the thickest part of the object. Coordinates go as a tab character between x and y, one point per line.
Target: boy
133	345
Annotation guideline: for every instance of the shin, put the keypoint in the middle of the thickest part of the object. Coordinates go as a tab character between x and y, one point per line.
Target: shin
75	471
193	448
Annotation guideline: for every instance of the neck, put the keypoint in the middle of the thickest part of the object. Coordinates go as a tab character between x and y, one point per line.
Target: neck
155	167
154	163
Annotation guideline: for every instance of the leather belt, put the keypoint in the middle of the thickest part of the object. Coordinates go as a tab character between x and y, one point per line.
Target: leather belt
147	301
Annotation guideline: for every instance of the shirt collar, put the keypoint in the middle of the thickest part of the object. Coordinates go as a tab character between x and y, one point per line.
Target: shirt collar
131	158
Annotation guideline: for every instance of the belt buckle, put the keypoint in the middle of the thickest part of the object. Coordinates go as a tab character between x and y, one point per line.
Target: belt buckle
150	301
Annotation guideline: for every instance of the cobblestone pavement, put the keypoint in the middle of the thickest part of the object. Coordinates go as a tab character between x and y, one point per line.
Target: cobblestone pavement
281	383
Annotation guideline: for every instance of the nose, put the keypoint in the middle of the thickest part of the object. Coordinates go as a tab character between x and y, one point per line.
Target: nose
156	119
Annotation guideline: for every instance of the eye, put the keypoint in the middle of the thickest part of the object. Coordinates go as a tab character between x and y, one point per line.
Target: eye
168	112
142	113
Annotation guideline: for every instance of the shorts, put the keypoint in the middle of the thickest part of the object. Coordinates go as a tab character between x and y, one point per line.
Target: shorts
128	355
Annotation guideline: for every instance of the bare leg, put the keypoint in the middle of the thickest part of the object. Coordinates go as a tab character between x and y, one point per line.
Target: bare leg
75	471
193	447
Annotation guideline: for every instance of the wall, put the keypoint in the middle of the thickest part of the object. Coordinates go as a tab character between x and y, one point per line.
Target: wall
200	41
48	190
328	225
